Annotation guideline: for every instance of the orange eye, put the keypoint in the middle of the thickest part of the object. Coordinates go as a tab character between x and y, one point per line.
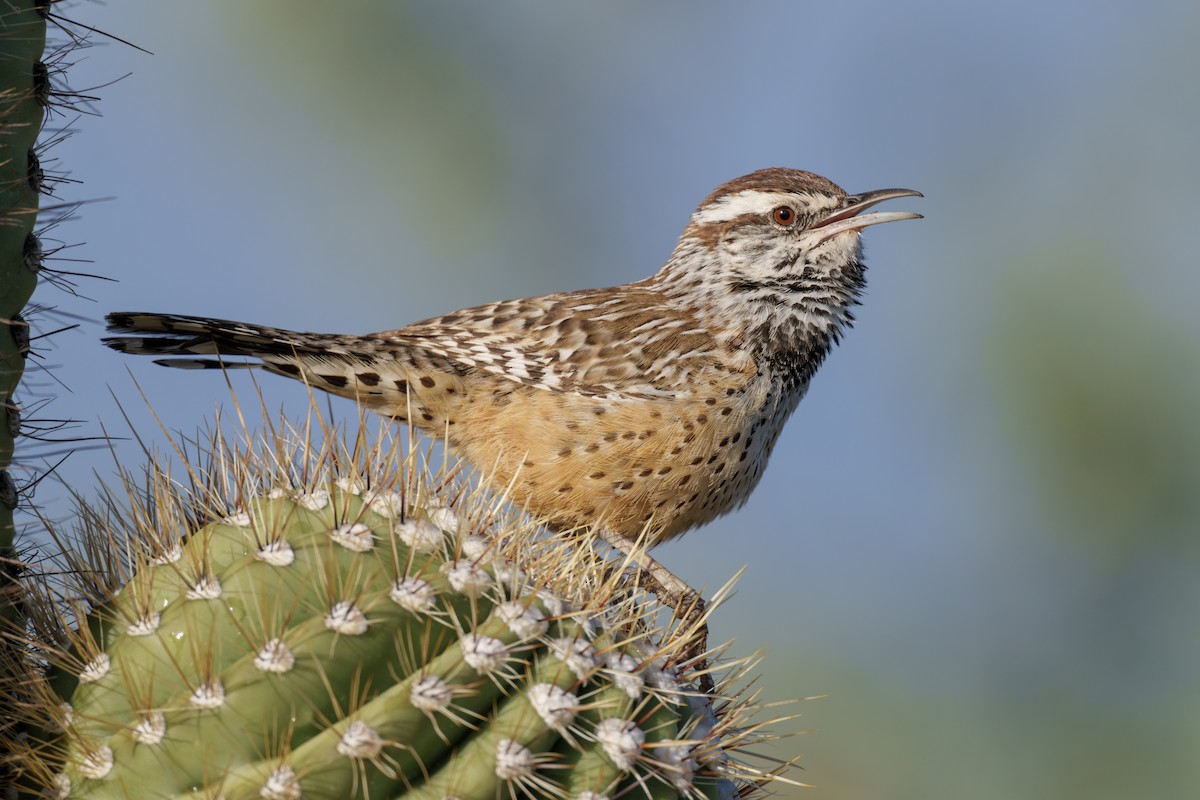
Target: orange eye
784	215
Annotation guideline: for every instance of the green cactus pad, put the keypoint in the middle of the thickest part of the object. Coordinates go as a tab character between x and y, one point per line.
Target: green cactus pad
261	635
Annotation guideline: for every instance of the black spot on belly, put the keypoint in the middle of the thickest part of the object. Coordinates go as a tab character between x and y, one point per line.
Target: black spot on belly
334	380
369	378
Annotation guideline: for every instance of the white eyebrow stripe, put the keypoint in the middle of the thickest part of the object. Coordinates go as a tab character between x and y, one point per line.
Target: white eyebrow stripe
753	201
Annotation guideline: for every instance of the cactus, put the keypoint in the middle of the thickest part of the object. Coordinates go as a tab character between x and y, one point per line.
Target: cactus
24	91
22	104
308	617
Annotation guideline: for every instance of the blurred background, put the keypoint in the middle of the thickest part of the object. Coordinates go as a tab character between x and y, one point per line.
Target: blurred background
978	535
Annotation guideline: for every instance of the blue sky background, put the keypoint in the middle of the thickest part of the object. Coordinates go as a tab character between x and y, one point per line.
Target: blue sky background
978	535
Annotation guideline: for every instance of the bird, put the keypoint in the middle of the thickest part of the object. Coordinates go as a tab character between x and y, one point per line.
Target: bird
639	411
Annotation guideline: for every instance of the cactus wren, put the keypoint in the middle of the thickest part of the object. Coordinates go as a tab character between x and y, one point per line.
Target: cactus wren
639	410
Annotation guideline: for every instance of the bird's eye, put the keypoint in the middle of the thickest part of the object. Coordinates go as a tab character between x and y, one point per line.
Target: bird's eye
784	215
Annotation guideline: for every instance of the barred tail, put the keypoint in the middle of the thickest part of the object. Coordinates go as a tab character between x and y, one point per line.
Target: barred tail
364	369
179	335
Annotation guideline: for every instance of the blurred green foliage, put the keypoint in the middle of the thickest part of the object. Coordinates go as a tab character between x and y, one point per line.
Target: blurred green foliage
1101	404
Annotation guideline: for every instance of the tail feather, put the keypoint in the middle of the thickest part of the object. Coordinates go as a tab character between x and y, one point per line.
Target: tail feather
176	334
388	372
205	363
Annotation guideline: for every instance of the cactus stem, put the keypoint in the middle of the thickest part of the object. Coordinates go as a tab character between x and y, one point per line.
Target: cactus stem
309	611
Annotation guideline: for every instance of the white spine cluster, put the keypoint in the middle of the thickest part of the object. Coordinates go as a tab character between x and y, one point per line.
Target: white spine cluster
354	536
420	536
346	618
430	693
571	662
206	587
360	741
95	669
275	656
484	654
414	594
144	625
622	741
282	784
555	705
277	553
467	577
97	763
208	695
315	500
525	621
514	761
151	728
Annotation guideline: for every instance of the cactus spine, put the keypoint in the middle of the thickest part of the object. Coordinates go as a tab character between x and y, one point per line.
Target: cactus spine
311	619
23	93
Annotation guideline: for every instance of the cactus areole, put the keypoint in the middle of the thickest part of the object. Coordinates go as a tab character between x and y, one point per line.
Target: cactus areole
344	636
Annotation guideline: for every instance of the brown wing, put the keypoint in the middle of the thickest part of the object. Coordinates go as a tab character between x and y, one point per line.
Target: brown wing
626	341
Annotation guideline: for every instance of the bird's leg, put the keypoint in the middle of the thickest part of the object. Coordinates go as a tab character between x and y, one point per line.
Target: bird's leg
687	603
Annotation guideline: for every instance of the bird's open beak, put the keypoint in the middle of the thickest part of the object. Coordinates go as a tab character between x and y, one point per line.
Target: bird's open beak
847	217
